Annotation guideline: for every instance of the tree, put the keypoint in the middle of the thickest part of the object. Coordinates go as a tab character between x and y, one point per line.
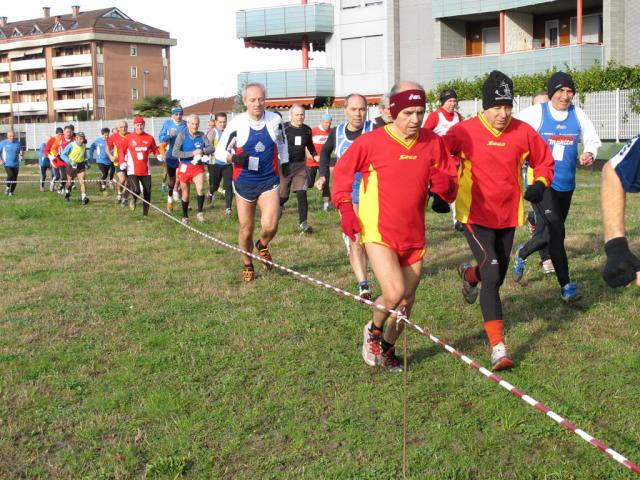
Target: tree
238	104
155	106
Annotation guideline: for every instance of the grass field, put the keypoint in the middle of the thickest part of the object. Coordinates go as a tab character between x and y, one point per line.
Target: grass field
130	348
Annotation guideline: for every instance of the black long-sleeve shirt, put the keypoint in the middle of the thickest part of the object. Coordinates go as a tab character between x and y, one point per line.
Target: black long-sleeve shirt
299	139
330	146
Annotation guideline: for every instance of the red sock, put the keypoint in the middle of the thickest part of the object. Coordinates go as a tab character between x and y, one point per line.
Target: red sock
494	332
471	275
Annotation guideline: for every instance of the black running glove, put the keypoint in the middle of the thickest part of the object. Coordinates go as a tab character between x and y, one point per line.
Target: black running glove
534	192
622	265
285	169
240	159
439	205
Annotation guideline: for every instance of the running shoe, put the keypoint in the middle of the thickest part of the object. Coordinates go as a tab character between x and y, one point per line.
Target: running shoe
371	349
305	228
52	185
176	196
469	291
163	187
10	194
364	291
169	207
570	293
185	221
118	200
200	217
42	188
518	265
7	190
132	204
458	227
531	222
248	274
547	267
390	362
67	196
85	200
264	255
209	198
227	212
499	358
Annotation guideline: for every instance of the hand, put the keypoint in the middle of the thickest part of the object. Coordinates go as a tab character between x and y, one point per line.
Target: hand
240	159
159	158
586	159
443	186
51	157
285	169
197	152
439	205
123	167
320	183
622	266
534	192
173	132
196	159
205	159
349	220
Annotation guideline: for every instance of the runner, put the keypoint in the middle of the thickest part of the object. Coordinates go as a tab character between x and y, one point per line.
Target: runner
44	164
103	161
75	157
220	170
620	175
440	121
562	125
397	163
117	154
137	146
168	134
192	149
254	141
340	139
493	147
320	135
385	117
10	157
66	179
299	141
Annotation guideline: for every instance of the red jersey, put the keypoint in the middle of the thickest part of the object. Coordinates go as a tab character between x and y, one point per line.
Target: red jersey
395	184
53	148
60	145
319	137
137	148
440	121
115	142
490	183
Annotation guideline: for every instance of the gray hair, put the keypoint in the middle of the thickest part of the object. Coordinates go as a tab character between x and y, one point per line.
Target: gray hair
193	116
295	107
351	95
403	83
384	101
122	123
251	85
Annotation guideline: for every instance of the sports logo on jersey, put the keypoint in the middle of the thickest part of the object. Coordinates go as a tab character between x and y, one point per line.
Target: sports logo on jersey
561	126
260	147
561	140
492	143
407	157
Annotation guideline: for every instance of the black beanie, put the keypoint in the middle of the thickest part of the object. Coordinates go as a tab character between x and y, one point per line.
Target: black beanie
497	90
559	80
446	94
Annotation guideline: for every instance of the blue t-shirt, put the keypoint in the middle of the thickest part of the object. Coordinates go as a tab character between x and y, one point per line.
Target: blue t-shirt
43	160
627	165
99	147
189	144
165	137
10	152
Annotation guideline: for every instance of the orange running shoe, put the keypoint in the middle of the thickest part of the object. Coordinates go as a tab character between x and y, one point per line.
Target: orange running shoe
264	253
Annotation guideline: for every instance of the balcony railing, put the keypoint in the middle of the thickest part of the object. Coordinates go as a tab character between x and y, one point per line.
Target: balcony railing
29	85
34	64
71	61
30	108
74	104
527	62
316	82
73	83
454	8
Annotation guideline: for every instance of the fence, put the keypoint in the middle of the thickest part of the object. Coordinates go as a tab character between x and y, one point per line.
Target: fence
610	113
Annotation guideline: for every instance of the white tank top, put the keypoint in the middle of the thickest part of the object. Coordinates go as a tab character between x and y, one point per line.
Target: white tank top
444	125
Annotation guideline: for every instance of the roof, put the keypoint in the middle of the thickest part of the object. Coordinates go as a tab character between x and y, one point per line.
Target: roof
109	20
210	106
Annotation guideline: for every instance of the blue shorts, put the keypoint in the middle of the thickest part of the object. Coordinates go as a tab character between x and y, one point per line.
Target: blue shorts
250	191
355	192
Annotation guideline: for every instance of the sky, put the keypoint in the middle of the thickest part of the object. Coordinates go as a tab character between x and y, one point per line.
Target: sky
208	57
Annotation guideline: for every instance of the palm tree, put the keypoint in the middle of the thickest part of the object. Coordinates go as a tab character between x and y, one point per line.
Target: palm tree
155	106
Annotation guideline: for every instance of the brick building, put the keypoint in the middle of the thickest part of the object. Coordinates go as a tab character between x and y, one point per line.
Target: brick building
101	62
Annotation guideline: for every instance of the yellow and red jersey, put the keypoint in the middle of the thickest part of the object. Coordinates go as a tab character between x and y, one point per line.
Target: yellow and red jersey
490	176
116	143
395	184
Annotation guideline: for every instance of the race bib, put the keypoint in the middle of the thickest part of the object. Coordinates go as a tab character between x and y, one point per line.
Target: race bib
140	156
558	152
254	163
183	168
297	141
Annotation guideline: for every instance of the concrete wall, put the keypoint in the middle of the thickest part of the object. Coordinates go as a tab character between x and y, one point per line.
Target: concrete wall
631	31
518	31
416	42
451	38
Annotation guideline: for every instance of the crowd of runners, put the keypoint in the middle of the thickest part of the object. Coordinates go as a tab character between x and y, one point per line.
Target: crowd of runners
379	174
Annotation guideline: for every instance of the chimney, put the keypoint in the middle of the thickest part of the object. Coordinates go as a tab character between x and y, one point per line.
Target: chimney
75	10
3	21
46	12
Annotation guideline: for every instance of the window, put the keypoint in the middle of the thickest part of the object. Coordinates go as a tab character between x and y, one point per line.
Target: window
101	113
35	30
551	33
58	28
134	72
98	47
115	13
490	40
165	91
100	92
350	4
100	69
134	94
16	33
591	29
363	55
164	73
133	51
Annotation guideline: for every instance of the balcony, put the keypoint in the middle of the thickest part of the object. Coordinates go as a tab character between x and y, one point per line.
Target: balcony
316	82
29	85
34	64
5	107
580	57
4	88
4	67
72	105
73	83
282	27
71	61
30	108
455	8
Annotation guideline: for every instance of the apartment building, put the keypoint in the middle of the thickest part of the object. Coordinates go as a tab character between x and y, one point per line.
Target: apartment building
370	44
95	64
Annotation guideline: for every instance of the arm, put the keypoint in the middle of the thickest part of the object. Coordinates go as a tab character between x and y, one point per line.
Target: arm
325	154
281	141
432	121
110	149
589	137
444	174
92	150
165	135
540	159
310	146
177	152
226	141
208	146
64	155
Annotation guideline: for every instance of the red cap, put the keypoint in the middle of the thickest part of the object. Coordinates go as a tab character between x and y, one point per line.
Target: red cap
138	120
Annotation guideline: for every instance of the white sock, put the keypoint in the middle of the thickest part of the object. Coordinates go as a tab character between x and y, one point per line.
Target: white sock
169	199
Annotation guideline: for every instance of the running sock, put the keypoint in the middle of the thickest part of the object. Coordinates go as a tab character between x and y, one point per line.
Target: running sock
493	328
185	209
386	346
169	199
83	196
364	285
200	199
303	206
472	275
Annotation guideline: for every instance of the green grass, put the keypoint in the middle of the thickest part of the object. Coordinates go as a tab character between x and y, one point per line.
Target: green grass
130	348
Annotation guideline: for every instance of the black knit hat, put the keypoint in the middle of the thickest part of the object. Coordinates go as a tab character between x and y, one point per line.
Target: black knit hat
497	90
559	80
446	94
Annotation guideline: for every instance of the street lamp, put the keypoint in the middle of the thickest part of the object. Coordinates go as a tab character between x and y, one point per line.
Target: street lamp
144	82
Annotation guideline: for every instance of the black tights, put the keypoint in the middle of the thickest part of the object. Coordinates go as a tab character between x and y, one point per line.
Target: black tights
491	248
303	204
224	173
311	178
43	175
12	177
134	185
